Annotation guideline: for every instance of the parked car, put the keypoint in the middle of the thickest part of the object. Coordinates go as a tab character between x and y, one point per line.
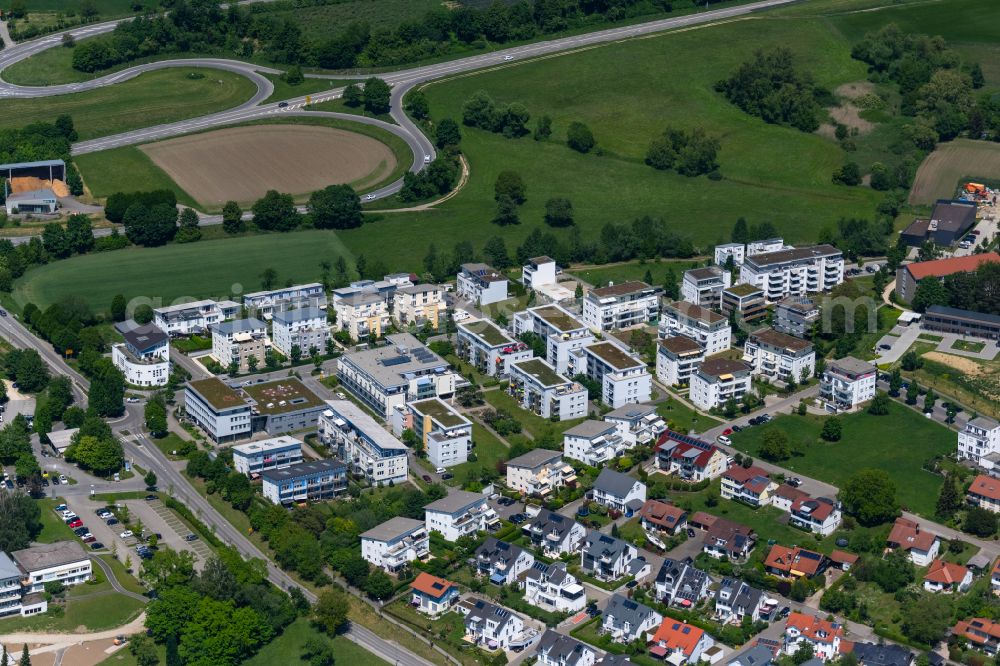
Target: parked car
59	507
690	533
447	475
150	498
191	537
111	521
80	531
737	428
90	538
724	440
784	612
518	518
63	479
794	482
506	501
75	523
96	545
427	478
127	534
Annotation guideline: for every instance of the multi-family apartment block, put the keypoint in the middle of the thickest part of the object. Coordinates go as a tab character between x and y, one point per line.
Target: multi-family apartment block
263	304
847	383
488	348
305	481
621	306
363	443
979	438
703	286
779	356
735	250
540	389
563	333
481	284
677	359
13	598
236	342
689	458
637	424
446	434
362	314
419	305
593	443
144	357
255	457
194	317
539	472
743	301
305	328
795	271
796	315
622	375
707	327
459	514
395	543
765	245
718	381
539	271
402	371
218	409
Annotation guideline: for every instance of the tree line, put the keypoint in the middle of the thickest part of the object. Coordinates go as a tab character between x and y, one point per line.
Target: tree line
977	290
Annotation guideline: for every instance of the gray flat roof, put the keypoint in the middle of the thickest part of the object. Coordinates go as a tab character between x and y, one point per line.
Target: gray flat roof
535	458
851	366
393	528
43	193
303	469
239	326
360	420
8	569
28	165
49	555
794	254
297	315
630	412
590	429
388	364
455	501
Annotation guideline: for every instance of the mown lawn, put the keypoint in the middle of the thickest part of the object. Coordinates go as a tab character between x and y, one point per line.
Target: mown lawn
488	449
149	99
633	270
532	423
683	418
898	443
287	647
94	613
53	527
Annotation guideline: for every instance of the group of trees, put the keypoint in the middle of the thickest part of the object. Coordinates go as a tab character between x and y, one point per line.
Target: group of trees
770	87
481	111
77	237
689	153
438	178
375	95
977	290
40	141
20	521
150	218
94	447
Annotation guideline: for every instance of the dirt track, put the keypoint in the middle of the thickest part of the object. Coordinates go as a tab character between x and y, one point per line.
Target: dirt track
242	163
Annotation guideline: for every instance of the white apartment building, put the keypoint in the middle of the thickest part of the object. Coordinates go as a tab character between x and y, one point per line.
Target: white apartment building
263	304
363	443
796	315
446	434
677	359
623	376
621	306
718	381
538	271
847	383
703	286
552	588
362	314
554	534
795	271
779	356
979	438
538	472
274	453
492	627
539	388
593	443
305	328
238	341
217	409
766	245
13	597
637	424
391	375
481	284
194	317
144	357
395	543
62	561
707	327
459	514
735	250
563	333
489	349
315	480
419	304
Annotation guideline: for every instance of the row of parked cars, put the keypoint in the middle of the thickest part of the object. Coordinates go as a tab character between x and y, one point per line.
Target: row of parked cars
75	523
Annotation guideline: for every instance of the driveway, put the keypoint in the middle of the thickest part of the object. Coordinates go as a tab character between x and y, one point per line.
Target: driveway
897	344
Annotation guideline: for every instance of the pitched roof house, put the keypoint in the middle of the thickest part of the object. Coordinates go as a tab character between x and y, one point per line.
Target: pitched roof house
626	620
680	643
502	562
944	576
554	533
688	457
824	636
794	562
680	583
662	516
432	595
750	485
735	600
921	545
559	650
728	539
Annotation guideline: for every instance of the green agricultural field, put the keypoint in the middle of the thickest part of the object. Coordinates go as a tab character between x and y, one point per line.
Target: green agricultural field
149	99
898	443
215	269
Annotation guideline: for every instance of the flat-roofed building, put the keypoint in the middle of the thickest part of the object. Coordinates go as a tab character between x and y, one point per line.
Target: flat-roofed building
144	357
446	434
305	481
562	332
795	271
766	245
735	250
263	304
593	443
677	359
363	443
538	271
637	424
540	389
909	275
419	305
847	383
395	543
708	328
621	306
779	355
218	409
718	381
253	458
62	561
281	405
623	377
401	371
704	286
979	438
962	322
236	342
305	328
194	316
42	200
362	314
539	472
459	514
796	315
481	284
488	348
744	301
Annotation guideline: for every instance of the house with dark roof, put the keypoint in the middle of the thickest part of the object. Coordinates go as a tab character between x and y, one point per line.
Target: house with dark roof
728	539
703	286
658	516
637	424
619	492
492	627
882	654
144	357
680	583
943	319
794	562
626	620
554	534
481	284
552	588
606	557
560	650
750	485
432	595
736	600
759	655
502	562
950	220
689	458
